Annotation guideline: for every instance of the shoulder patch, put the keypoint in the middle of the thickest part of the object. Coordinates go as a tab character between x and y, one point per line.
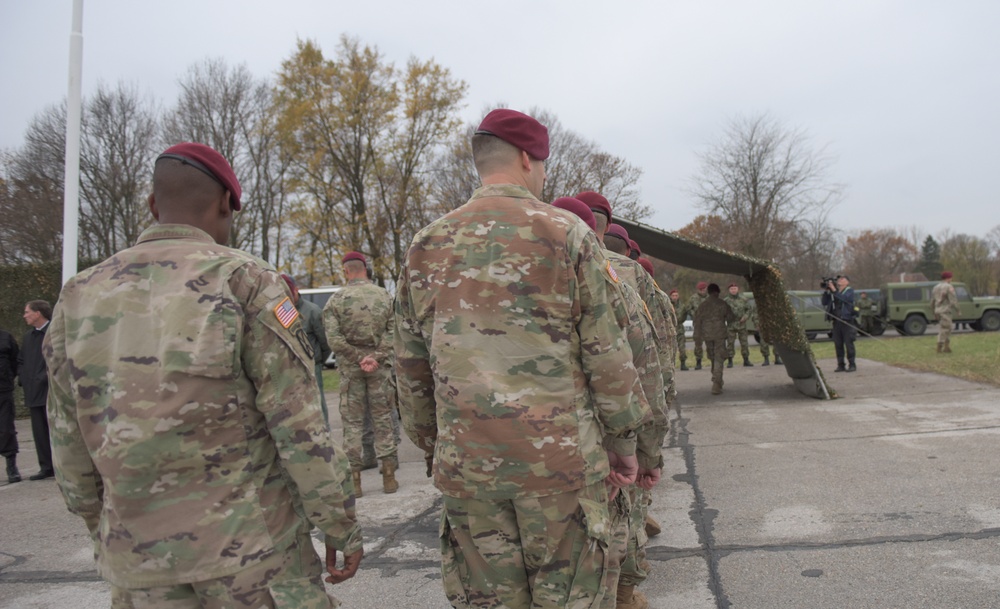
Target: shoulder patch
286	312
611	272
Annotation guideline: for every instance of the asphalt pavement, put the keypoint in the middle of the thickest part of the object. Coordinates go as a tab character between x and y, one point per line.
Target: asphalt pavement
888	497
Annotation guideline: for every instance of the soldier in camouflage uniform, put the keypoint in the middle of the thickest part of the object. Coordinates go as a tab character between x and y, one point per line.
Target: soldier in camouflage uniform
359	326
186	425
711	321
945	303
738	330
765	347
312	320
682	313
511	366
694	302
866	314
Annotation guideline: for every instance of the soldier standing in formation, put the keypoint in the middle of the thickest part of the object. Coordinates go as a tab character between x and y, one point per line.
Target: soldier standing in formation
866	314
312	320
187	430
359	327
682	313
694	302
711	322
738	330
945	303
502	304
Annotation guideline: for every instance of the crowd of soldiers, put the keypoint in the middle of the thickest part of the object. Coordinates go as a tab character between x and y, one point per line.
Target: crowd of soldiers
528	349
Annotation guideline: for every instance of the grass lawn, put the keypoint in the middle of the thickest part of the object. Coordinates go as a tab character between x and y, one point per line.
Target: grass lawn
975	357
331	380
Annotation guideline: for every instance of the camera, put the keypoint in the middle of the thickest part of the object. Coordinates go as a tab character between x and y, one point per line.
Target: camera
825	281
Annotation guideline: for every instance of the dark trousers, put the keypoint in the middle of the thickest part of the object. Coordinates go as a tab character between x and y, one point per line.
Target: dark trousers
8	433
40	432
843	340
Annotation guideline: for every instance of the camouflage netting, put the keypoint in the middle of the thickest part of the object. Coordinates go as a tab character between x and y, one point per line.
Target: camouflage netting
778	321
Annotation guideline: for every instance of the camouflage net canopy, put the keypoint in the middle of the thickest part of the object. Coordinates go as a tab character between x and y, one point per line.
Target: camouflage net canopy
778	322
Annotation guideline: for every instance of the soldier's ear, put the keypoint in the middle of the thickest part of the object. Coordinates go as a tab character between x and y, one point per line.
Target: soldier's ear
153	209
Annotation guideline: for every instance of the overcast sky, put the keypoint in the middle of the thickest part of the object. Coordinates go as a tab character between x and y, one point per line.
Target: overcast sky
904	94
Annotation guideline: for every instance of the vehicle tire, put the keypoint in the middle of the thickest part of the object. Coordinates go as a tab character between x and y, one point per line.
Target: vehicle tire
915	325
810	335
975	325
756	337
990	321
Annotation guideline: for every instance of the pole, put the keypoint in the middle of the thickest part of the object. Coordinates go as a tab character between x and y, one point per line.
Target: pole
71	183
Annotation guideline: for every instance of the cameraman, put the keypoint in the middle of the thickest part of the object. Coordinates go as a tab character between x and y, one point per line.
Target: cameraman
838	299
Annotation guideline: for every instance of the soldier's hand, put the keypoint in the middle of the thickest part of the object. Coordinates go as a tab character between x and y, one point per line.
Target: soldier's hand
351	563
368	364
623	469
648	478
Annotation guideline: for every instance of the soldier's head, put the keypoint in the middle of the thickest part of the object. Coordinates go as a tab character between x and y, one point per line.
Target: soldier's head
601	208
734	289
195	185
616	239
355	266
633	250
578	208
864	296
292	287
713	289
510	147
675	295
37	313
947	276
647	265
701	287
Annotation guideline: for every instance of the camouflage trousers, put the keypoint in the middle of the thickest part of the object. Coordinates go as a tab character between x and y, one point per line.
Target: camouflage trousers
698	346
718	353
944	328
360	391
682	345
741	335
286	580
765	348
527	553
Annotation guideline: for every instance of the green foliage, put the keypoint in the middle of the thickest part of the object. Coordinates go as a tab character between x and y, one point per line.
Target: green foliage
930	259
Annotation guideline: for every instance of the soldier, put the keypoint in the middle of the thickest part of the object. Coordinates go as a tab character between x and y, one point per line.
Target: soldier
738	330
312	320
682	313
945	303
866	313
502	304
765	346
359	327
186	425
694	302
8	433
711	321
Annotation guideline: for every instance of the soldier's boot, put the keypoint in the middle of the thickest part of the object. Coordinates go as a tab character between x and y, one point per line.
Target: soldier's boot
12	474
746	362
684	365
652	527
947	347
851	367
629	598
716	389
777	360
368	460
729	363
697	363
389	484
357	483
940	347
767	361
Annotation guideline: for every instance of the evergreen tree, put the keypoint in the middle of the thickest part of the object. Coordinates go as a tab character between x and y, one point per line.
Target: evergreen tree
930	259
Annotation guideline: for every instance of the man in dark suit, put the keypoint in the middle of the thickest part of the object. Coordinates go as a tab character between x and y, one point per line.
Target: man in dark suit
34	377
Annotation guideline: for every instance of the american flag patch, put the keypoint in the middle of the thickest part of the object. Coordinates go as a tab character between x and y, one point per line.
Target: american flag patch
286	312
611	272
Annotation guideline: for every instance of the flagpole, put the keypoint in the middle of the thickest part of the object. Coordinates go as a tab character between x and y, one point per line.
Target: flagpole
74	113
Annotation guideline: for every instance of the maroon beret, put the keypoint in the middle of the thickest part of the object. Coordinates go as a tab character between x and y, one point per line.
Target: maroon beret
635	246
701	285
617	230
208	161
578	207
946	275
596	202
674	291
354	256
289	280
646	264
517	129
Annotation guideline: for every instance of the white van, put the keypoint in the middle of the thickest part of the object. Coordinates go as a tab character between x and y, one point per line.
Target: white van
319	296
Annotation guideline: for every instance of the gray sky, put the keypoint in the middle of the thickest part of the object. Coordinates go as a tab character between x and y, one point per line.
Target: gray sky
905	94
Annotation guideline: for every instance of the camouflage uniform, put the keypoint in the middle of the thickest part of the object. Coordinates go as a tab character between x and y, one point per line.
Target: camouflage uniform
512	369
692	307
359	323
866	314
681	316
945	303
312	321
738	330
186	426
710	321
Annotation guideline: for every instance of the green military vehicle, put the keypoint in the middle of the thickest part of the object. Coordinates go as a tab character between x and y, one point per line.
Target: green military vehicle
907	307
808	306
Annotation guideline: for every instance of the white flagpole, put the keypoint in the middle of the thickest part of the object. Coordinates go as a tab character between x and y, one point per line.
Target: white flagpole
71	188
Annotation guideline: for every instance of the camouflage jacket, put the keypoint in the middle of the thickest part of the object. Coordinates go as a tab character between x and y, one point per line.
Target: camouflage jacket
693	303
359	323
185	418
711	319
312	321
741	309
508	361
944	299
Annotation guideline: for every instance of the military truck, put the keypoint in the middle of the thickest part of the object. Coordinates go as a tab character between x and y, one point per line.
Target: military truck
808	306
907	307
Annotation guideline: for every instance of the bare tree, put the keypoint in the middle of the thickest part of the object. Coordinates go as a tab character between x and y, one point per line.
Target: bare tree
872	257
767	183
969	258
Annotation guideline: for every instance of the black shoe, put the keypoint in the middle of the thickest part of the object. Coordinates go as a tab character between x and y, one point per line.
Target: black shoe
684	366
852	368
767	362
42	475
840	368
729	363
12	474
746	363
697	364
